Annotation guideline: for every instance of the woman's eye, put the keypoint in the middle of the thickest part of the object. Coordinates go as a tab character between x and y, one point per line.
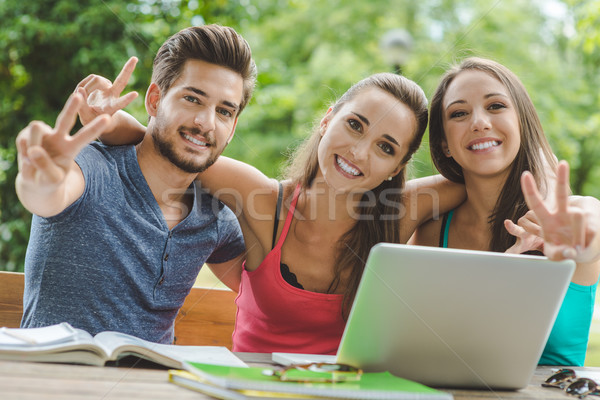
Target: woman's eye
387	148
191	99
355	125
457	114
496	106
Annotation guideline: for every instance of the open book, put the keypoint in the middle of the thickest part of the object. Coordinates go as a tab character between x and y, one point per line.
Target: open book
233	383
64	344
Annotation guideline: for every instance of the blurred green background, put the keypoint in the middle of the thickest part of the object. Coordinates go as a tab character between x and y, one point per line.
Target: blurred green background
308	53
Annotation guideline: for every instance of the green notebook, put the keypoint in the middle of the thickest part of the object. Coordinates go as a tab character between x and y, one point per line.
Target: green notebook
372	385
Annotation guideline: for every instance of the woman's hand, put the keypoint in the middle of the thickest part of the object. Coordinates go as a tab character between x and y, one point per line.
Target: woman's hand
528	233
569	231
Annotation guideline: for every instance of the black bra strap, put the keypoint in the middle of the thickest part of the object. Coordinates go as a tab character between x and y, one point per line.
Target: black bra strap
277	211
443	230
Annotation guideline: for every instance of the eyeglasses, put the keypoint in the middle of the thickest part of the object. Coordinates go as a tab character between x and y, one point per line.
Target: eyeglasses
316	372
566	379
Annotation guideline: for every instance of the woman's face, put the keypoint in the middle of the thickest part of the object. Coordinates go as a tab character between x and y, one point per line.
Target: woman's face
364	142
481	124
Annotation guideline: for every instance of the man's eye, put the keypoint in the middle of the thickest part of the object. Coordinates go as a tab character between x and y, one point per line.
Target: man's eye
191	99
225	112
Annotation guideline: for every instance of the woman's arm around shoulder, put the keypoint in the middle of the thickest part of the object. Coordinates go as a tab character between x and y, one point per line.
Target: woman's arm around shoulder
229	272
427	234
428	198
250	194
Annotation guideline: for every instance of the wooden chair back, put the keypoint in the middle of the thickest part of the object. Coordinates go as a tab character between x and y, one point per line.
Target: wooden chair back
11	298
206	318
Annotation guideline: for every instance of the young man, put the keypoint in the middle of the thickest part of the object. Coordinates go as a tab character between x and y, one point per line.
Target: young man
120	233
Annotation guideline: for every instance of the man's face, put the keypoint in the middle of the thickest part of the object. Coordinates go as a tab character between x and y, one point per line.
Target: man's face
196	118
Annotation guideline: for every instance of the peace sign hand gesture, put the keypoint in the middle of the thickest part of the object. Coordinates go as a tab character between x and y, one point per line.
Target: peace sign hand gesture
567	230
46	158
103	96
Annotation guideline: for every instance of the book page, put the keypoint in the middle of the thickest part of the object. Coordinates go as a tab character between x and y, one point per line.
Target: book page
56	343
118	344
45	336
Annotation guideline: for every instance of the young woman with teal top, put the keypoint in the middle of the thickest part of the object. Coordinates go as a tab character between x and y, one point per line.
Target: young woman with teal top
484	132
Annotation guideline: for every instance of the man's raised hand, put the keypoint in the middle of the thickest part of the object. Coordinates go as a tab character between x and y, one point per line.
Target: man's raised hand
46	154
103	96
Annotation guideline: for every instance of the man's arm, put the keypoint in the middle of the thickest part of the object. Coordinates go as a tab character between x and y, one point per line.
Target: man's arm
49	180
229	272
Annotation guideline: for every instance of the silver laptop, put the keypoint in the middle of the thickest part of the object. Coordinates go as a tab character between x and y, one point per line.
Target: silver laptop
454	318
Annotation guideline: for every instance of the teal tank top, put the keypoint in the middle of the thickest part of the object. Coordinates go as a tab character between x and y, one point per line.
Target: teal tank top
568	340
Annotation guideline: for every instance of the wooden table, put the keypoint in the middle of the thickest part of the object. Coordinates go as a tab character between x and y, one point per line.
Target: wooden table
23	380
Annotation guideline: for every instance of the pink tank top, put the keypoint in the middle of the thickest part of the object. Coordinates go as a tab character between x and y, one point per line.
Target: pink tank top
273	315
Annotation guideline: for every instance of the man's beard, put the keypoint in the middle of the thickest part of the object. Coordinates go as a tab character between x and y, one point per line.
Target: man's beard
167	150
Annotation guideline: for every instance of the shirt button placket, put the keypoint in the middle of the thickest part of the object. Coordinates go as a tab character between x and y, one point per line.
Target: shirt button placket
165	258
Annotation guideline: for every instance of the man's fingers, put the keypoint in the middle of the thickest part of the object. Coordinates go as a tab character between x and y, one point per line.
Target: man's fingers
83	93
532	196
123	77
562	187
97	82
86	113
22	160
34	133
67	117
124	101
89	133
84	81
21	145
40	159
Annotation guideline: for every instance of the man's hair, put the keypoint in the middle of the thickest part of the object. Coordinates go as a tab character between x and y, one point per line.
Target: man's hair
215	44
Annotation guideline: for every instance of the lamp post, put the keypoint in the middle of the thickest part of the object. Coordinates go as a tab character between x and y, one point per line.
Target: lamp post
396	45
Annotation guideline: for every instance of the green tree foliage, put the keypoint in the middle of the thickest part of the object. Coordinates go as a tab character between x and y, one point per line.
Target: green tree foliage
48	46
308	53
582	112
